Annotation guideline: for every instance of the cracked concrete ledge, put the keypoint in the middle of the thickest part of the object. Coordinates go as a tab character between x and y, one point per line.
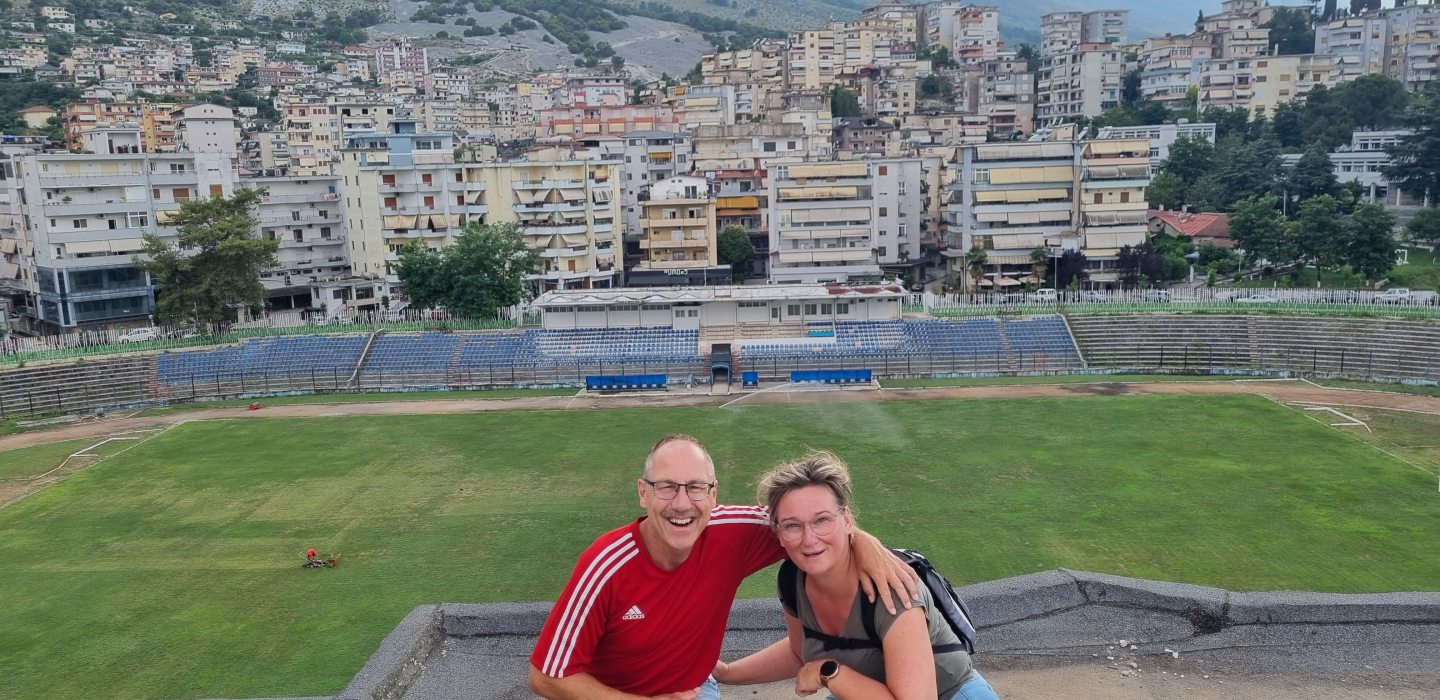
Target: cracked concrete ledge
482	649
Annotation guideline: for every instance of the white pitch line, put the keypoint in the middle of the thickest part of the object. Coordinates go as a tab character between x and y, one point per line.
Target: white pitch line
1353	420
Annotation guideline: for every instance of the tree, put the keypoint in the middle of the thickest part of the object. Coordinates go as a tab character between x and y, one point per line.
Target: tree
478	274
1286	125
1130	88
1030	54
975	260
1247	169
215	265
1324	120
1425	226
1329	12
1291	31
1415	159
735	248
1312	176
1374	101
1319	235
844	103
1372	241
1257	226
1189	158
1166	191
1070	270
1040	264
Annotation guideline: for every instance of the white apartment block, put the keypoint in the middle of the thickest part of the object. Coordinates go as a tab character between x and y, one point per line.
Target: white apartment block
1062	31
1277	79
84	215
971	33
1170	65
405	186
1357	42
306	215
1114	173
647	157
1082	81
839	221
1006	97
1160	137
1413	46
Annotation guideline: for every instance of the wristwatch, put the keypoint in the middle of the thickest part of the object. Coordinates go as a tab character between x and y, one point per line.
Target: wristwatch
829	668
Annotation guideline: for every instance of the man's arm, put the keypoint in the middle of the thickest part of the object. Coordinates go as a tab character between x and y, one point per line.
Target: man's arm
583	686
879	565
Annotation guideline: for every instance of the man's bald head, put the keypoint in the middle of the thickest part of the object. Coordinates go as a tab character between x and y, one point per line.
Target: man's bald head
678	445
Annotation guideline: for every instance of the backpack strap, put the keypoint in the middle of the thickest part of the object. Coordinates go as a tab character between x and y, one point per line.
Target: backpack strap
786	583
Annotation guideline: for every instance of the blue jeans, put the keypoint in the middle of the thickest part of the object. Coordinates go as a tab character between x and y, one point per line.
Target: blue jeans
709	690
977	688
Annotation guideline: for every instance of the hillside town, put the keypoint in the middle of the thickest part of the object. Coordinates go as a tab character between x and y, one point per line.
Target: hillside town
910	143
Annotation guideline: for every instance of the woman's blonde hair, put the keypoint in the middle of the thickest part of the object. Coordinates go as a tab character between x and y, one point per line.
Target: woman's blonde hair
814	469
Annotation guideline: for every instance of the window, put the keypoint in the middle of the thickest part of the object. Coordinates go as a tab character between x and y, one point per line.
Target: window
217	191
155	193
769	146
827	309
80	223
811	310
981	177
1099	198
429	202
181	194
140	220
792	309
790	145
1124	197
884	169
459	200
390	203
901	230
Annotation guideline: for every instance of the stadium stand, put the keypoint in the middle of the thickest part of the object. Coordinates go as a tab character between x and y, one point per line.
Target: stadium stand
69	386
1313	345
272	357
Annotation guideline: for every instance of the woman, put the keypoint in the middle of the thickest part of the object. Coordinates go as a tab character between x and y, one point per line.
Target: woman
917	659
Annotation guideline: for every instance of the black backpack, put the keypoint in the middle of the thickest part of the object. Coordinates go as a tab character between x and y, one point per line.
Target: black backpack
952	608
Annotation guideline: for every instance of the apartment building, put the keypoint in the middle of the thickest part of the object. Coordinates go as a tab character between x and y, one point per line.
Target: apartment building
757	74
84	215
1010	199
1114	173
865	137
403	58
812	60
677	232
1412	45
883	91
1277	79
750	146
404	186
1170	65
1083	81
841	221
1161	136
742	199
155	119
811	110
702	105
971	33
647	157
907	18
1061	32
306	215
578	121
1006	97
1357	43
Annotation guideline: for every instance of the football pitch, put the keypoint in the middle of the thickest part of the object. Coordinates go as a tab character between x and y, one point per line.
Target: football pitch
171	570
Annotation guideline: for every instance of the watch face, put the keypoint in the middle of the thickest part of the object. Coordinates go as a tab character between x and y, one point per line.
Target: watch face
830	668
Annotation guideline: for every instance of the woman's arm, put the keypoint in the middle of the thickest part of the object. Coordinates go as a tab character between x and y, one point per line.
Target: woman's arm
777	662
909	667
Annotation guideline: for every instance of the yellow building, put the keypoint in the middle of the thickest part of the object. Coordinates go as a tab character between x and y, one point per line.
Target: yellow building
677	229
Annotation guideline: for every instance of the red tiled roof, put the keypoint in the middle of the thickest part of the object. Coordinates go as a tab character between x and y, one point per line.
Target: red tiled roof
1205	225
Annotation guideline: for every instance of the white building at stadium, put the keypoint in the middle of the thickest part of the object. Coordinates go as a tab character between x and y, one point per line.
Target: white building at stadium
722	313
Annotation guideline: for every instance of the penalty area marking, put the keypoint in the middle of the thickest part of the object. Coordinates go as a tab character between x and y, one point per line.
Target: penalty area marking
1357	438
1351	419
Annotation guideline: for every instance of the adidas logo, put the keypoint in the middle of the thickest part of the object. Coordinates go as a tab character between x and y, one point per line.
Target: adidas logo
634	613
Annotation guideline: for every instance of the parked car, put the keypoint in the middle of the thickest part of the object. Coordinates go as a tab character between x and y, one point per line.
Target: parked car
1256	299
1043	295
1398	295
1091	295
917	287
139	335
1156	295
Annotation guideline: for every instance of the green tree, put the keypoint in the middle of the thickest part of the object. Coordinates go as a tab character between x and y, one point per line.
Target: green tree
1189	158
735	249
1166	191
1319	234
1415	160
1130	88
1328	13
215	266
1425	226
844	103
478	274
1040	264
1312	176
1325	120
1247	169
975	260
1030	54
1372	241
1290	31
1374	101
1257	226
1286	125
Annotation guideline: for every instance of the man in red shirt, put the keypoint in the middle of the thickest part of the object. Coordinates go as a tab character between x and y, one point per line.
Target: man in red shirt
644	612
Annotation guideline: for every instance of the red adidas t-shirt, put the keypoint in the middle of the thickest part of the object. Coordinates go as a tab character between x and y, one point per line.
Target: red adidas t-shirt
643	630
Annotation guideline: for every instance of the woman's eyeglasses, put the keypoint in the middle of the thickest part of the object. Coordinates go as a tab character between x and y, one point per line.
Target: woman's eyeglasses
794	530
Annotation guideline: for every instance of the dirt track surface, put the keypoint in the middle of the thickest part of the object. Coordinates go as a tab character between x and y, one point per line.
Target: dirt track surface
1285	391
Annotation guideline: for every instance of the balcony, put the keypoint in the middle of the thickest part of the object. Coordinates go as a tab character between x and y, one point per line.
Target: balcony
646	243
673	264
548	229
673	223
474	185
299	198
119	206
399	186
547	184
309	242
564	252
167	177
306	218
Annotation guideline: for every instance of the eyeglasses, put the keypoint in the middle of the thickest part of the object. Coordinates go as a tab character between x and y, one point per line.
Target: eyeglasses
794	530
667	490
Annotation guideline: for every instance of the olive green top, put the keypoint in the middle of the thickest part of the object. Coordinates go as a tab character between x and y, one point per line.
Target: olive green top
952	669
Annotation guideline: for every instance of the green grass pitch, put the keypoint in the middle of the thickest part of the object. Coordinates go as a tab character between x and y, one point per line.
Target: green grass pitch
172	569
